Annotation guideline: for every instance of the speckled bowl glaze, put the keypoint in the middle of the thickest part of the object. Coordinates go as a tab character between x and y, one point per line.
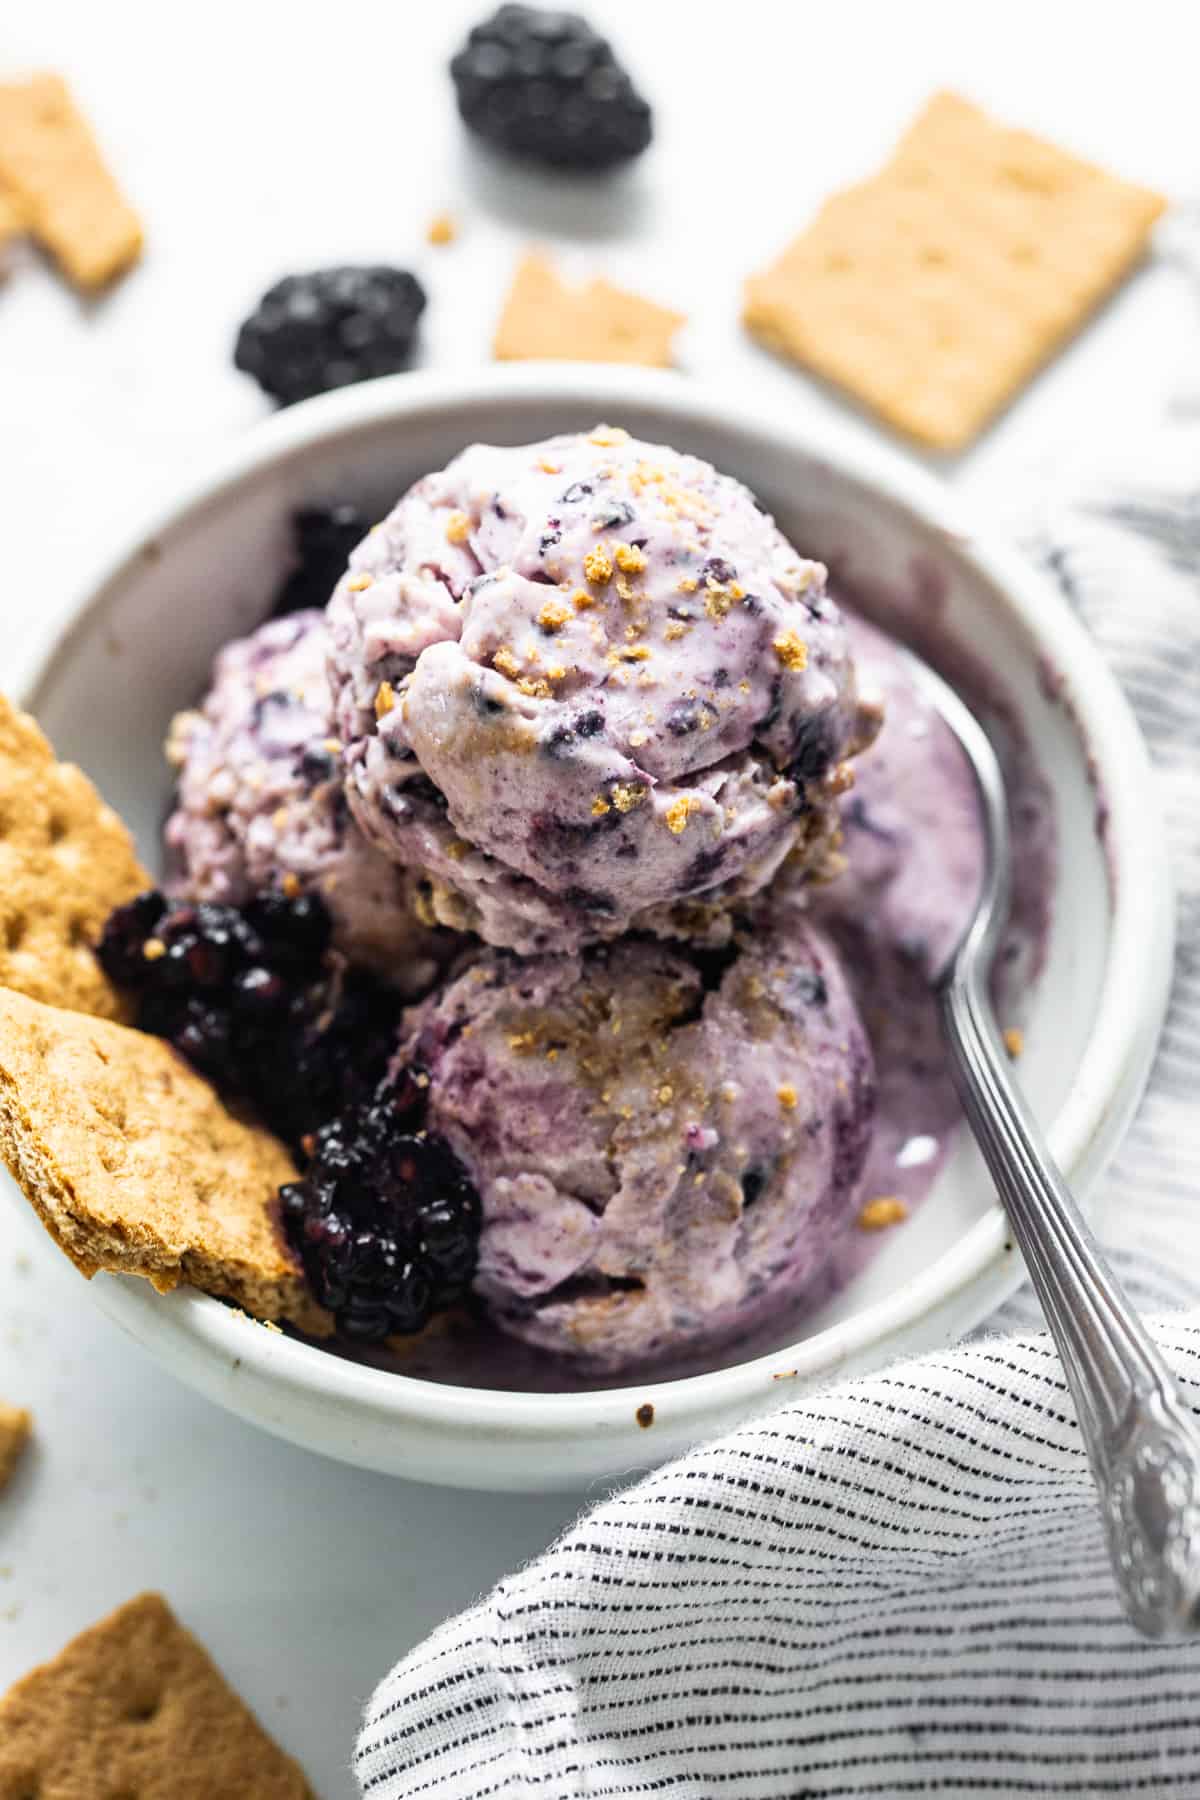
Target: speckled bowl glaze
139	646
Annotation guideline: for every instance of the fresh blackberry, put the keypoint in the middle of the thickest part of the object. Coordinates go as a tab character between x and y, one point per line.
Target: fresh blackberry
256	1001
323	330
385	1221
322	537
545	85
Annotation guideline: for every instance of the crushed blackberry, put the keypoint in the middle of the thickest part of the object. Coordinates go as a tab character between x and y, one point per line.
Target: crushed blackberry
322	539
385	1221
544	85
328	328
256	1001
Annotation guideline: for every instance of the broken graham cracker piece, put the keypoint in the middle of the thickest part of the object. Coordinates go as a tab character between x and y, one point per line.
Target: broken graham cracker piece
935	290
12	215
65	861
50	159
135	1706
544	318
15	1426
135	1165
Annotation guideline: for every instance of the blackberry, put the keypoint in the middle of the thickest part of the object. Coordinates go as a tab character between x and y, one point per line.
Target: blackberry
546	86
256	1000
329	328
385	1221
322	538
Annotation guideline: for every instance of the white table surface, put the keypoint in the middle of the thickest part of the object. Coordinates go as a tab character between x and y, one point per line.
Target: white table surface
259	139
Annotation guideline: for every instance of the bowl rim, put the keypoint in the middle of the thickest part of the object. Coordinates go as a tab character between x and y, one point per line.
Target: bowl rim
1134	991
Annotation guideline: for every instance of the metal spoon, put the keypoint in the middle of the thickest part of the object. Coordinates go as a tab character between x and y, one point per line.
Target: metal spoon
1141	1439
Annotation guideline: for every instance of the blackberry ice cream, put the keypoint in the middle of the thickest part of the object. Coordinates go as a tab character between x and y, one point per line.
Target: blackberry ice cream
587	685
260	807
666	1144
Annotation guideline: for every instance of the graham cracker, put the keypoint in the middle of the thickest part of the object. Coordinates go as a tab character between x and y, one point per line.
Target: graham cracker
49	157
12	215
135	1165
935	290
15	1426
135	1706
65	861
545	318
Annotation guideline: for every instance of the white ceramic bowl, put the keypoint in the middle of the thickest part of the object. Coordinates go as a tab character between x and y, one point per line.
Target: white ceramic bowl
139	647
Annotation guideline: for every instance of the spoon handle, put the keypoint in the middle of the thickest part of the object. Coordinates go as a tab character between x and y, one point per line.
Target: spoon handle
1140	1436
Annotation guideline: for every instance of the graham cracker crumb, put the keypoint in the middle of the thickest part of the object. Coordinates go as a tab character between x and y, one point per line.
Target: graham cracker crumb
553	615
442	228
581	600
385	699
933	291
792	651
291	885
631	558
884	1210
458	528
600	807
504	660
1014	1041
679	812
628	794
787	1096
598	566
358	584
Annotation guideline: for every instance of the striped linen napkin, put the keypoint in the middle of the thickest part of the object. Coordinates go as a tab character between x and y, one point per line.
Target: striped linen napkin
901	1585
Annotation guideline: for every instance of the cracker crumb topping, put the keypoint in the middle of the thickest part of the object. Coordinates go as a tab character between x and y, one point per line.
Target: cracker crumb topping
631	558
581	600
628	794
791	650
291	884
598	565
679	812
458	528
787	1096
1014	1041
357	583
553	616
385	699
504	660
884	1210
600	806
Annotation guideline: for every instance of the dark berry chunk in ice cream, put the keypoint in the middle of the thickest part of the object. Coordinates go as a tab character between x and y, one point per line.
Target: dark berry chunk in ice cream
544	85
322	538
254	999
329	328
385	1220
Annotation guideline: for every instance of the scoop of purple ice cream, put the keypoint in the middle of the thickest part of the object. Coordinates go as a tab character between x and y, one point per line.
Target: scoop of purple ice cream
259	803
666	1144
586	685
